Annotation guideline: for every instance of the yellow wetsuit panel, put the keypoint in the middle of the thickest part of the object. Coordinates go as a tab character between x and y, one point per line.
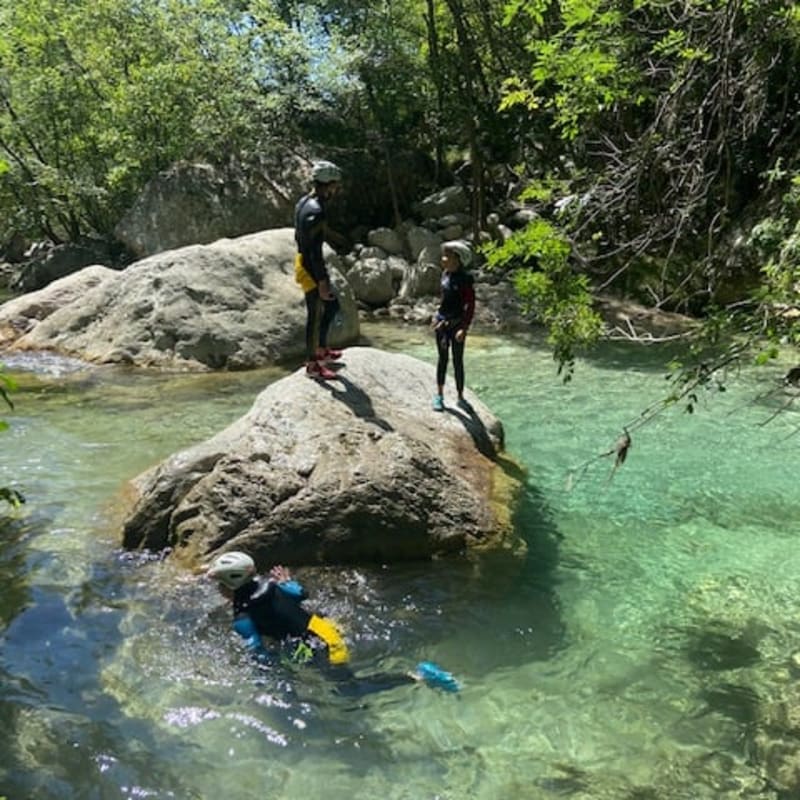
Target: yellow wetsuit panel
329	633
301	276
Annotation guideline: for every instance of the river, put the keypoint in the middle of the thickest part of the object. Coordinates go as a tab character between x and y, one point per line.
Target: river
636	651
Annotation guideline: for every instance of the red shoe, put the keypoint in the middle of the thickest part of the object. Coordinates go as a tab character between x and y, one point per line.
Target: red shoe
329	354
316	369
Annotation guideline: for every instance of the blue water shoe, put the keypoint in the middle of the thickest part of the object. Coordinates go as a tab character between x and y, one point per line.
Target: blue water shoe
435	677
438	402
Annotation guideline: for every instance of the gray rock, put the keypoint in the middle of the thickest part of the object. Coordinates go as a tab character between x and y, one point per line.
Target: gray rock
419	238
14	248
58	262
447	221
398	266
22	314
232	304
358	469
431	254
451	200
372	252
388	240
418	313
193	203
451	232
629	320
520	217
420	280
372	281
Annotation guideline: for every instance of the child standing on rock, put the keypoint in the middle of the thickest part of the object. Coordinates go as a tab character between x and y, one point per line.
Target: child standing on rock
453	318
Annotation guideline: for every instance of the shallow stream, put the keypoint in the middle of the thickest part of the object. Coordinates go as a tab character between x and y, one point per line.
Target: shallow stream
635	652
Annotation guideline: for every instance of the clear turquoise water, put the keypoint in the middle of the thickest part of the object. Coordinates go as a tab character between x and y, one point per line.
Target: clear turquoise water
637	651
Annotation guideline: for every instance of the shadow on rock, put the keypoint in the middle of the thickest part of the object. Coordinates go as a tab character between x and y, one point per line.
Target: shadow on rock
357	400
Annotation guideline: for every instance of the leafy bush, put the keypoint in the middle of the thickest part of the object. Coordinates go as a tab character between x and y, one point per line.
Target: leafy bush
776	239
538	257
10	496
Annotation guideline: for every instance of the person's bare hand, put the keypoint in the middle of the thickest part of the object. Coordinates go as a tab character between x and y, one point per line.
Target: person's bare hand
460	334
325	290
280	574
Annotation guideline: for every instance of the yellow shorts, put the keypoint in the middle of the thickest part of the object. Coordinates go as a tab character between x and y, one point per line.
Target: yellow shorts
301	276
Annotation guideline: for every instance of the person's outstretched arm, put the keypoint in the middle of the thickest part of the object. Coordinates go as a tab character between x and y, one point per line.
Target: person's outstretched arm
287	584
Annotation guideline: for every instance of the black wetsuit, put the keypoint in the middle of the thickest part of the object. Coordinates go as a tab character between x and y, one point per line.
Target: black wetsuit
309	234
275	609
455	312
268	608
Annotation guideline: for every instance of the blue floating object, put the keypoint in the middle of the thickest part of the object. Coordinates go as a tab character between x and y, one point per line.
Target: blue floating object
436	677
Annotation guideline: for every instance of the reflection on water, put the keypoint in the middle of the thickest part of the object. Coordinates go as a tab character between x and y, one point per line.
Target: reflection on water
635	652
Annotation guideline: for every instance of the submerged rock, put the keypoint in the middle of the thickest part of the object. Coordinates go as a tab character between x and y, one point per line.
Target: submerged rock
357	469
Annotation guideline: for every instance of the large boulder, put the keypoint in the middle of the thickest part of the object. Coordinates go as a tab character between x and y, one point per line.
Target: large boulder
197	203
232	304
420	280
388	240
372	281
420	238
22	314
358	469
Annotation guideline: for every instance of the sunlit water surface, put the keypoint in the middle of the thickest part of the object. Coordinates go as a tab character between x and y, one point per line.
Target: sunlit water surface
636	651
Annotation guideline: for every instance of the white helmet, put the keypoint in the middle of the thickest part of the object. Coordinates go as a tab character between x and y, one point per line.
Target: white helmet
232	569
461	249
325	172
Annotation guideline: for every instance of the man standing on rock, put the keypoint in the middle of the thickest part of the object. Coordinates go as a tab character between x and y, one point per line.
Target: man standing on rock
310	270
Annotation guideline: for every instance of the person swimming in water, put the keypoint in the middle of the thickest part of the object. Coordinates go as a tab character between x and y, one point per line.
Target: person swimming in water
272	608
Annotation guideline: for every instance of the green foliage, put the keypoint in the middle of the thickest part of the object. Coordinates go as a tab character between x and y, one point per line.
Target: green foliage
580	70
665	113
379	66
95	97
546	189
7	384
776	240
539	258
664	110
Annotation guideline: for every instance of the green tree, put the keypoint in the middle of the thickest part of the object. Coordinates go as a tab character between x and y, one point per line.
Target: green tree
96	97
668	113
539	260
472	47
